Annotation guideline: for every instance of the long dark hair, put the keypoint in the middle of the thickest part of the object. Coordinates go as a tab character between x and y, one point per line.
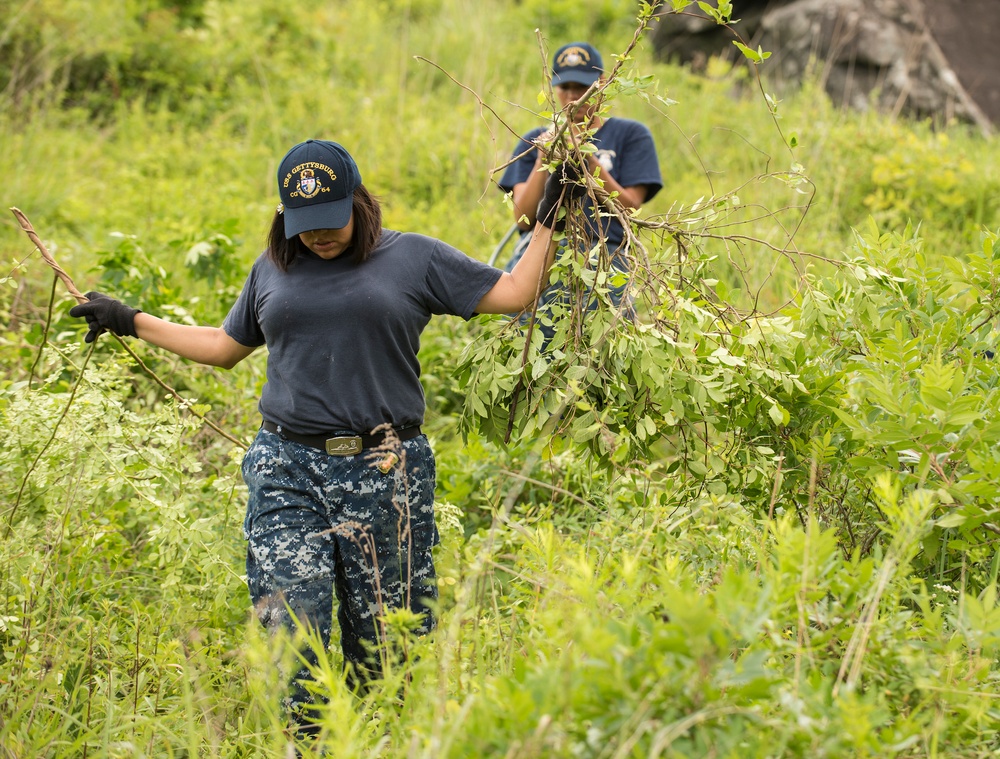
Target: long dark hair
367	215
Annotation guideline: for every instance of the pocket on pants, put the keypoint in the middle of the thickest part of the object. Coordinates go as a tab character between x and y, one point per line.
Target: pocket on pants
262	465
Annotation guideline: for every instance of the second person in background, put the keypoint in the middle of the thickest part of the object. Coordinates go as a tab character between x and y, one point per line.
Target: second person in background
624	157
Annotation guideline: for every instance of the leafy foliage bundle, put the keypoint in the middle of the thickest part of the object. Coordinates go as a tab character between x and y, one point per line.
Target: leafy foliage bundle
760	519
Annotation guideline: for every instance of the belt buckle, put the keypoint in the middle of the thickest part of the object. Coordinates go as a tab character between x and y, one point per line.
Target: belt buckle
343	446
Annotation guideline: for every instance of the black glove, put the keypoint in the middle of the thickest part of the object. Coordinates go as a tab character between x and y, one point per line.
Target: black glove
567	177
104	313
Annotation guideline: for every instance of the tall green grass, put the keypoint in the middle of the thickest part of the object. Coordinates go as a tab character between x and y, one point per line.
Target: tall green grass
812	606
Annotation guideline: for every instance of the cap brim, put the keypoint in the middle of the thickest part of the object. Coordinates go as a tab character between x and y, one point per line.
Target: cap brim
334	214
575	77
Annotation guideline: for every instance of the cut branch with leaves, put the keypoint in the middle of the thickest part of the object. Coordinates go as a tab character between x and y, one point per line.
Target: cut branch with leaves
618	376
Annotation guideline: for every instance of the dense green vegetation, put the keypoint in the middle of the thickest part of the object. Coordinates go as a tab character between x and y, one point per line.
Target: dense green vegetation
762	522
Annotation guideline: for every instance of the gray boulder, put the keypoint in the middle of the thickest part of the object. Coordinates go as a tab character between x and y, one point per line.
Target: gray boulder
923	59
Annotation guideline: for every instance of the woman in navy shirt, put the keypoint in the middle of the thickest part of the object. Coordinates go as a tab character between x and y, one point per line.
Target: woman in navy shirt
340	478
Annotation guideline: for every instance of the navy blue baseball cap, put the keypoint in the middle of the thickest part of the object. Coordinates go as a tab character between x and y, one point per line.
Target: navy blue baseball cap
316	181
577	62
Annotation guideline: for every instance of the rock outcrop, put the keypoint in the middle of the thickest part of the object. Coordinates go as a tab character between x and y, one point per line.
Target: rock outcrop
924	59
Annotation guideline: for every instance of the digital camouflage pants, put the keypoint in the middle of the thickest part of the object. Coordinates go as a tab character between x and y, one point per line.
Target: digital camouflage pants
319	526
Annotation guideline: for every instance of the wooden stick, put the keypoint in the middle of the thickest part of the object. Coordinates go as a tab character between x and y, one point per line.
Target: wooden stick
68	281
30	231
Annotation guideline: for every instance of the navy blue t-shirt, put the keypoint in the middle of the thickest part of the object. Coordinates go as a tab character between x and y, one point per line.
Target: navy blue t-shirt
343	337
625	149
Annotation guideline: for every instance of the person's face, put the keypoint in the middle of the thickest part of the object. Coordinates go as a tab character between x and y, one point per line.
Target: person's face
568	93
329	243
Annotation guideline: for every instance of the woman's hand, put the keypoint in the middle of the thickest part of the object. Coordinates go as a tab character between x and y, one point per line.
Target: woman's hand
105	314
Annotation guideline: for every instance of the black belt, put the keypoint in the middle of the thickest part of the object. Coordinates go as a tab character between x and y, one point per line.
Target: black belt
341	445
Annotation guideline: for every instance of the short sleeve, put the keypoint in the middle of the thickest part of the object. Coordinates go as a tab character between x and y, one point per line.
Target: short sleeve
639	164
455	282
241	322
521	169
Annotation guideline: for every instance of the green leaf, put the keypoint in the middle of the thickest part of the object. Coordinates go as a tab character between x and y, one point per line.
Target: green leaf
478	406
711	11
955	519
778	415
538	367
756	56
